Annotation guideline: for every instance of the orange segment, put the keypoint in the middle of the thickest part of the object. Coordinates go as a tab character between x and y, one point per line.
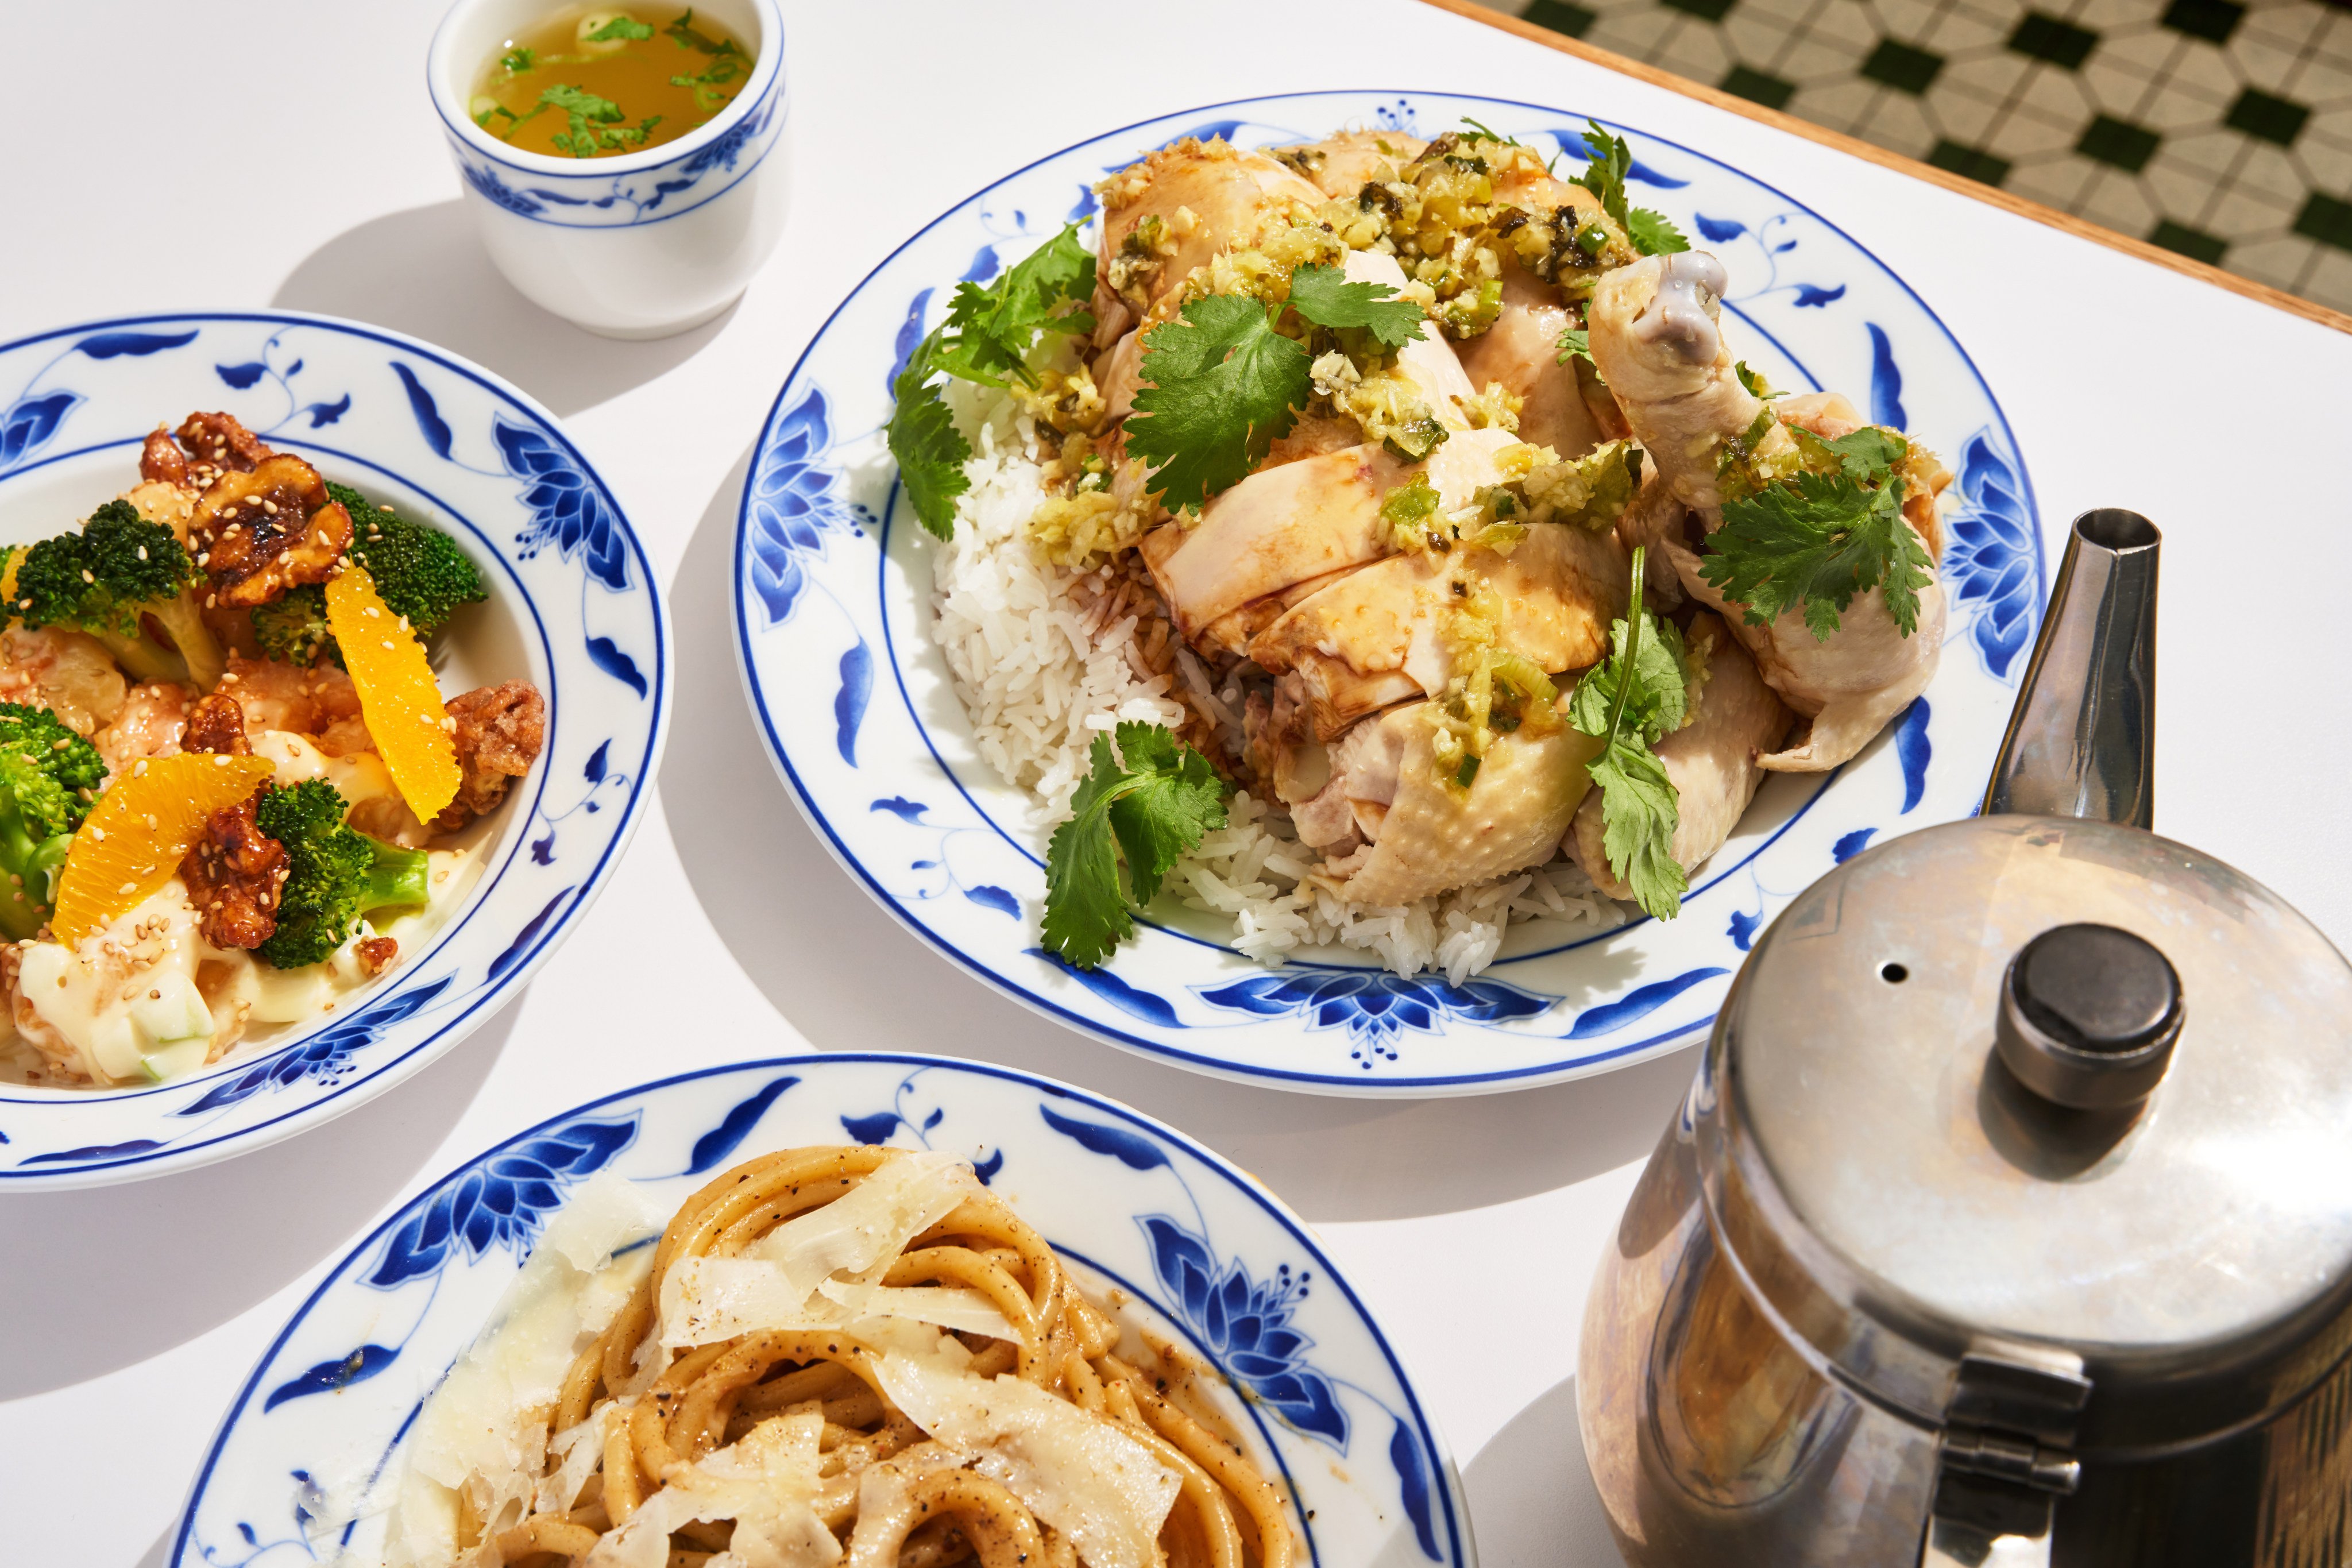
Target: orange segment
144	826
399	699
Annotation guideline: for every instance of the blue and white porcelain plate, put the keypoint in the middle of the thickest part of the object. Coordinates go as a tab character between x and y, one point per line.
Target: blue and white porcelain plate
311	1448
832	582
572	606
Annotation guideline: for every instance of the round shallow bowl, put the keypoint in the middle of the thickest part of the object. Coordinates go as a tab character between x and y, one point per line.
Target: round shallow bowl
572	606
833	588
311	1450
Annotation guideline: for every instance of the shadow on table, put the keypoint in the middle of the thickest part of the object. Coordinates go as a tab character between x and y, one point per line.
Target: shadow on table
423	271
850	977
1532	1501
127	1272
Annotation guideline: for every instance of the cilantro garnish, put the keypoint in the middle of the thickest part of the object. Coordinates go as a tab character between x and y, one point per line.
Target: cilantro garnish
682	32
1605	177
1324	295
1628	701
621	29
987	337
1148	804
1577	343
990	331
1817	539
1225	385
517	60
1489	135
1753	380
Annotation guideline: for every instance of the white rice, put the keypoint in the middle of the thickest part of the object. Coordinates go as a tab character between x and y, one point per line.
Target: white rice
1041	679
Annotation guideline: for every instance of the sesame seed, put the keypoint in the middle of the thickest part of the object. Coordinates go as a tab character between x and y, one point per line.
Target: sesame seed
86	576
95	832
128	888
142	553
387	643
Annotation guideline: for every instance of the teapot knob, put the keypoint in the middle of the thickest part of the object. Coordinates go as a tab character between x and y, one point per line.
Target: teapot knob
2089	1015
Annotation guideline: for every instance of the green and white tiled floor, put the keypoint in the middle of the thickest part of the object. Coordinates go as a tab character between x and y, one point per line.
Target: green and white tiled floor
2220	129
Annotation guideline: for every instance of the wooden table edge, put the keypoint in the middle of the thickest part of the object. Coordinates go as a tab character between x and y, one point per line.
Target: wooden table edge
2082	228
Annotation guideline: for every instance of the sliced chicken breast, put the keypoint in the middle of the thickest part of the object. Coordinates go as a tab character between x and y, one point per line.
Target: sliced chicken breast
1282	525
1380	635
1208	196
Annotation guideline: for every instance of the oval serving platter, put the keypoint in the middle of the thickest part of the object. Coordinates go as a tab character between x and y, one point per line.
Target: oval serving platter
309	1456
573	606
832	586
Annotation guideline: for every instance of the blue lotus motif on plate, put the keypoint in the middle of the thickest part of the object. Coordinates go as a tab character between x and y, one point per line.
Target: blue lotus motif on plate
570	511
1373	1006
324	1056
1994	558
795	506
502	1201
1245	1324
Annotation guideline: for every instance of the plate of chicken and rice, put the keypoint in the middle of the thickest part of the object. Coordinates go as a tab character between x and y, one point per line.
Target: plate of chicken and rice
329	678
1379	592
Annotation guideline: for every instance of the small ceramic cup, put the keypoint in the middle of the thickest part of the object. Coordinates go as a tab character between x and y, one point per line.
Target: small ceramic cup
641	245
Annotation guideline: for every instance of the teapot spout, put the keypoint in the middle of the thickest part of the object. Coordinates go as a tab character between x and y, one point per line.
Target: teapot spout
2082	739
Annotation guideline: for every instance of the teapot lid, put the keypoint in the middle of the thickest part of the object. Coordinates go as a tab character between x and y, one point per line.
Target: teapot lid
2049	1084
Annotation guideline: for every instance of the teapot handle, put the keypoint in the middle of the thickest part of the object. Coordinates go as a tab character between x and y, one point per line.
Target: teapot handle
2081	738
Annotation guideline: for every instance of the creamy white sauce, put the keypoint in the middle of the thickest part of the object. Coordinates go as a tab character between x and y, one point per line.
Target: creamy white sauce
1681	318
147	998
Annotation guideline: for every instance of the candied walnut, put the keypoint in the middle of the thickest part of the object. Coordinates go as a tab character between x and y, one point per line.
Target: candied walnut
377	952
499	732
260	532
218	442
161	458
234	871
216	724
234	874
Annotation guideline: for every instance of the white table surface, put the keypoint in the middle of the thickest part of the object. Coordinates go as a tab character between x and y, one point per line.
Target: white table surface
128	1315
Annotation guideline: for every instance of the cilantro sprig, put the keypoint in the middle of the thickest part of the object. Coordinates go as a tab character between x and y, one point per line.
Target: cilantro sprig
1605	177
621	29
1628	701
987	338
1146	803
1817	539
1225	385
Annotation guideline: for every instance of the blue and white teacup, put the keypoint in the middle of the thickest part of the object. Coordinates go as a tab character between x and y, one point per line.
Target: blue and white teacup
641	245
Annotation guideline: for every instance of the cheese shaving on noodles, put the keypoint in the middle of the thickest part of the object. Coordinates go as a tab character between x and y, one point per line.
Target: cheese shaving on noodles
484	1429
1077	1472
767	1483
870	1223
708	1298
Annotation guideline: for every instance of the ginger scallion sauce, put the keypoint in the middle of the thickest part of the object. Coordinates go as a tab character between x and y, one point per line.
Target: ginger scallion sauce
590	82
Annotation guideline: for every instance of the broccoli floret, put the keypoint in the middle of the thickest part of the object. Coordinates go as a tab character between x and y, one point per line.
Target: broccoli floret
292	627
420	571
335	874
48	777
109	580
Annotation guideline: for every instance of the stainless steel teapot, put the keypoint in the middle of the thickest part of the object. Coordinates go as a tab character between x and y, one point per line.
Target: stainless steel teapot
2010	1217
